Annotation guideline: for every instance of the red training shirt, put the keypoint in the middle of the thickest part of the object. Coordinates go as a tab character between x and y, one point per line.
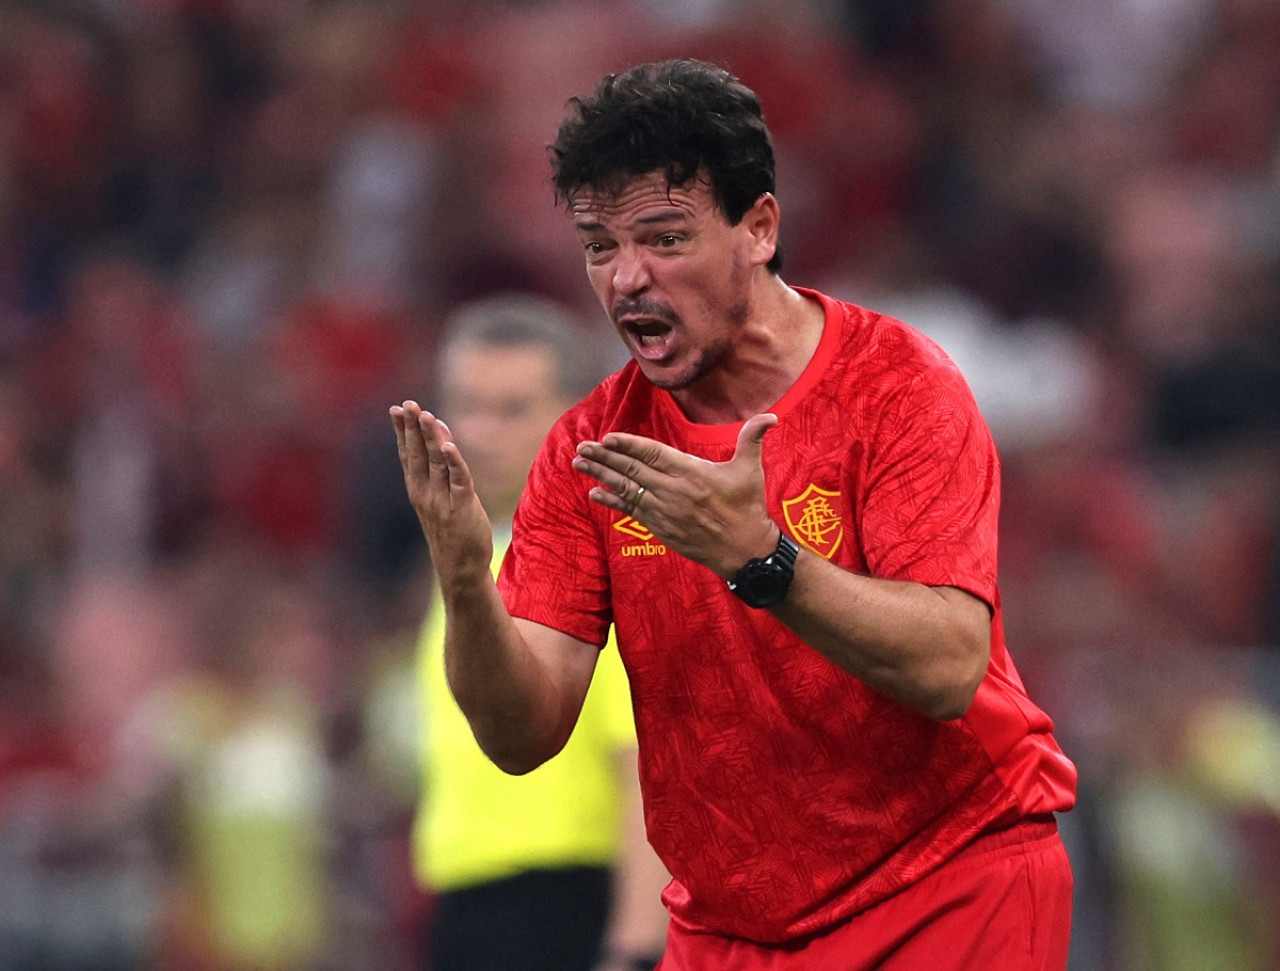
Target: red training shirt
783	794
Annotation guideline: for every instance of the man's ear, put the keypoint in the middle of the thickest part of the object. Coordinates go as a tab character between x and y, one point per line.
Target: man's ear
761	222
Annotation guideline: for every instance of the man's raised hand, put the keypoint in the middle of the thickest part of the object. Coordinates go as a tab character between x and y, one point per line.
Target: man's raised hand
711	512
443	494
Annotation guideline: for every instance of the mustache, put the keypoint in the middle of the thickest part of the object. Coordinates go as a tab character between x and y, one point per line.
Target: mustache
640	307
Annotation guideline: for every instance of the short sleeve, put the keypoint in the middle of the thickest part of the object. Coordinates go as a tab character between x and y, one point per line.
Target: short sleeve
931	494
555	572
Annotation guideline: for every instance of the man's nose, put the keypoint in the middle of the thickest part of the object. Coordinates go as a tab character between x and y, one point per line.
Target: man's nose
630	272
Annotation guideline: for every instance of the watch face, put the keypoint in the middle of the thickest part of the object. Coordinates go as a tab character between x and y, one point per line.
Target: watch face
764	585
765	582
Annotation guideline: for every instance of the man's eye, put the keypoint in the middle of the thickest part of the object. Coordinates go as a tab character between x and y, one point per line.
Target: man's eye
667	241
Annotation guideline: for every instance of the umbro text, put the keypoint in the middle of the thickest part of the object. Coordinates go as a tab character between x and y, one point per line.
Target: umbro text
645	549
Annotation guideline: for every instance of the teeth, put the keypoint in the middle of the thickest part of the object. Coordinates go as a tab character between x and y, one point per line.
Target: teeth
650	340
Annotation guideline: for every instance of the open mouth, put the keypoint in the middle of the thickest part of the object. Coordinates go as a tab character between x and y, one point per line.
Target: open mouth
651	338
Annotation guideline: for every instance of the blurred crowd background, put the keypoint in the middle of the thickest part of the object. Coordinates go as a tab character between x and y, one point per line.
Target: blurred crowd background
229	230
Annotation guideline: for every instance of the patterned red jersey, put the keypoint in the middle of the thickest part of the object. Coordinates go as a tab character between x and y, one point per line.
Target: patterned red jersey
783	794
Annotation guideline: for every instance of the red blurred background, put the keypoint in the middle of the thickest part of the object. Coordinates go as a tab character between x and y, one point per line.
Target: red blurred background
228	232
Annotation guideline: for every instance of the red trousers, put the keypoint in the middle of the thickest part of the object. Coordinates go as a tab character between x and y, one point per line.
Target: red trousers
1001	904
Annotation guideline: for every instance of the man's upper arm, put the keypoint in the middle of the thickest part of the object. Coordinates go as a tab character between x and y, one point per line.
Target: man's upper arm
569	664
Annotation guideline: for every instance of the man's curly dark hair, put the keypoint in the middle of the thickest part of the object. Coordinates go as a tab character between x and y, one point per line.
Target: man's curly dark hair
684	118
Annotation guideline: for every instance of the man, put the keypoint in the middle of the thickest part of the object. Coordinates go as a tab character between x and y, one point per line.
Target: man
786	505
550	871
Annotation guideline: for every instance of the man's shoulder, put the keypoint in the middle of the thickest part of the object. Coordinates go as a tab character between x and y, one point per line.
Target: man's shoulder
873	343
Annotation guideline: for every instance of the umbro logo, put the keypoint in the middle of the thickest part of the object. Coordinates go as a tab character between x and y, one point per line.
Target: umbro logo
646	547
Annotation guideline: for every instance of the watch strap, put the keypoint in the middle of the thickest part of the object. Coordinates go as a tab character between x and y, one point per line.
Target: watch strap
775	570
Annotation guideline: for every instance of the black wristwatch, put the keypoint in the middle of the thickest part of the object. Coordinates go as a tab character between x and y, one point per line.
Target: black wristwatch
764	581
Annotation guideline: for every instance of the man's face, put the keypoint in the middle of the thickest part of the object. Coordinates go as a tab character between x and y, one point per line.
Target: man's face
671	273
500	401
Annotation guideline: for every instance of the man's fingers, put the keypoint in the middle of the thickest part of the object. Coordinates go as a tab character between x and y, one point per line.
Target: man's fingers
443	458
641	450
754	428
458	470
410	438
631	458
421	439
622	484
607	497
434	436
751	437
397	422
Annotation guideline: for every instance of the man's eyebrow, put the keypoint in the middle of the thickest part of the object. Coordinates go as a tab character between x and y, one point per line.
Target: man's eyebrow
669	216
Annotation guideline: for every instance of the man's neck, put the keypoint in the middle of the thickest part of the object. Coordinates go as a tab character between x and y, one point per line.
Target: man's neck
775	346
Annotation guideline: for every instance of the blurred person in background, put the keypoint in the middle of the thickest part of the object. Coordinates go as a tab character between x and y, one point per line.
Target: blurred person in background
840	765
1193	820
231	756
551	870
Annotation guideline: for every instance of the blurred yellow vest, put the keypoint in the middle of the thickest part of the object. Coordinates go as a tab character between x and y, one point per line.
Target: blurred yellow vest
474	822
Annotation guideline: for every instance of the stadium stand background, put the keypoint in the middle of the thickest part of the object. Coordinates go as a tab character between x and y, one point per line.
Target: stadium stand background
228	232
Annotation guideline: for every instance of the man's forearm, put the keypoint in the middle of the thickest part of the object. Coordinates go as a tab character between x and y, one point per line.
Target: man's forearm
520	685
926	647
510	701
